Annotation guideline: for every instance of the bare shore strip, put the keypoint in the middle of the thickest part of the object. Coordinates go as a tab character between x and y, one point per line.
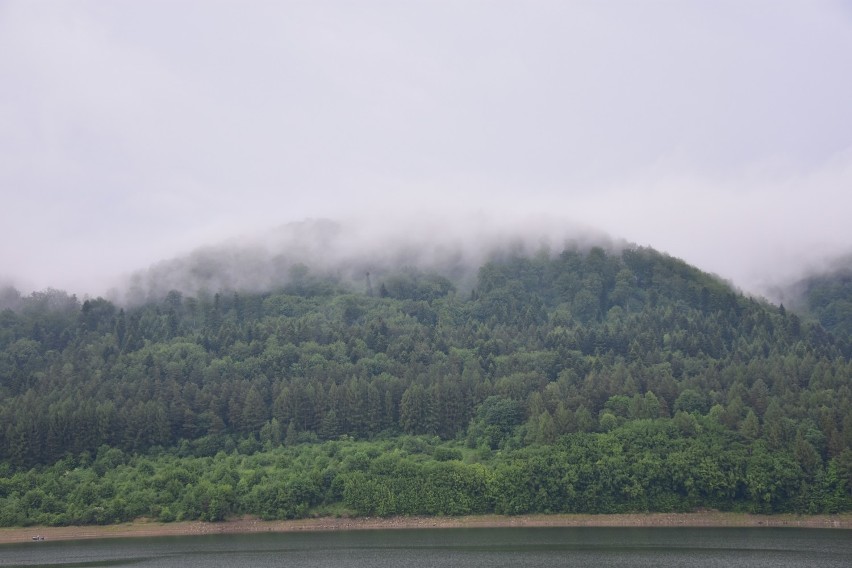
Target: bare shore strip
143	528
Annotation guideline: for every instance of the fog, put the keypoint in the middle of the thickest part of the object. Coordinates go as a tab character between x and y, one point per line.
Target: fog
350	251
136	133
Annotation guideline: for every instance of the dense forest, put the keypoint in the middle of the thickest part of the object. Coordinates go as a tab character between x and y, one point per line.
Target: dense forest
591	380
827	296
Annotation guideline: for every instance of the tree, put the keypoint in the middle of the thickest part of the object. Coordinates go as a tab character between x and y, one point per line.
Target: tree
690	400
750	426
254	414
415	411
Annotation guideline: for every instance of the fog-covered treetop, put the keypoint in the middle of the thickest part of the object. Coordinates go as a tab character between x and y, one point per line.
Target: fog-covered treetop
348	250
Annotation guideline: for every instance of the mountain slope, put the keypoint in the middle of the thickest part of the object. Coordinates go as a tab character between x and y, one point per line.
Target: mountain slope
827	296
561	352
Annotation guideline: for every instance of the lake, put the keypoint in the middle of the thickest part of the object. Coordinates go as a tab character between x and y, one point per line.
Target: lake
466	548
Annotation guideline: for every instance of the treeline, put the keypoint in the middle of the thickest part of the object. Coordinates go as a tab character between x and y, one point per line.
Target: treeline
669	465
544	352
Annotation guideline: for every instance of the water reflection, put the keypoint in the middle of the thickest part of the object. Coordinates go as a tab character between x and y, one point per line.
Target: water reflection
466	548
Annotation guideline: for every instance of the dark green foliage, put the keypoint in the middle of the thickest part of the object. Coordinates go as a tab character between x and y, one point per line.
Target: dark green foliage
587	381
495	420
828	297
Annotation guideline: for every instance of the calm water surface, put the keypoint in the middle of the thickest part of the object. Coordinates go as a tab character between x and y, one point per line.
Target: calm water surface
466	548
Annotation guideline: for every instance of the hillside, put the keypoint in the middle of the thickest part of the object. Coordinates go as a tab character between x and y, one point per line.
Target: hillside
826	296
588	380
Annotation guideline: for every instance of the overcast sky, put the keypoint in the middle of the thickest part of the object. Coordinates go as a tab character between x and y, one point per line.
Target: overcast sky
717	131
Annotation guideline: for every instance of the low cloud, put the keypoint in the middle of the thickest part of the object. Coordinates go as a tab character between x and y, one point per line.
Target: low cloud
131	134
349	249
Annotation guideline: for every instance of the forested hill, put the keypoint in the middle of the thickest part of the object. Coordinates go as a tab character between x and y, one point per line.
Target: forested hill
606	361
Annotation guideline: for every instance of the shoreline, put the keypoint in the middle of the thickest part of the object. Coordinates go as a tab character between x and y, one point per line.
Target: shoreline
144	528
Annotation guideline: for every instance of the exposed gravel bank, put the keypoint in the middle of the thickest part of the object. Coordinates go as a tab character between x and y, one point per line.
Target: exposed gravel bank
144	528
